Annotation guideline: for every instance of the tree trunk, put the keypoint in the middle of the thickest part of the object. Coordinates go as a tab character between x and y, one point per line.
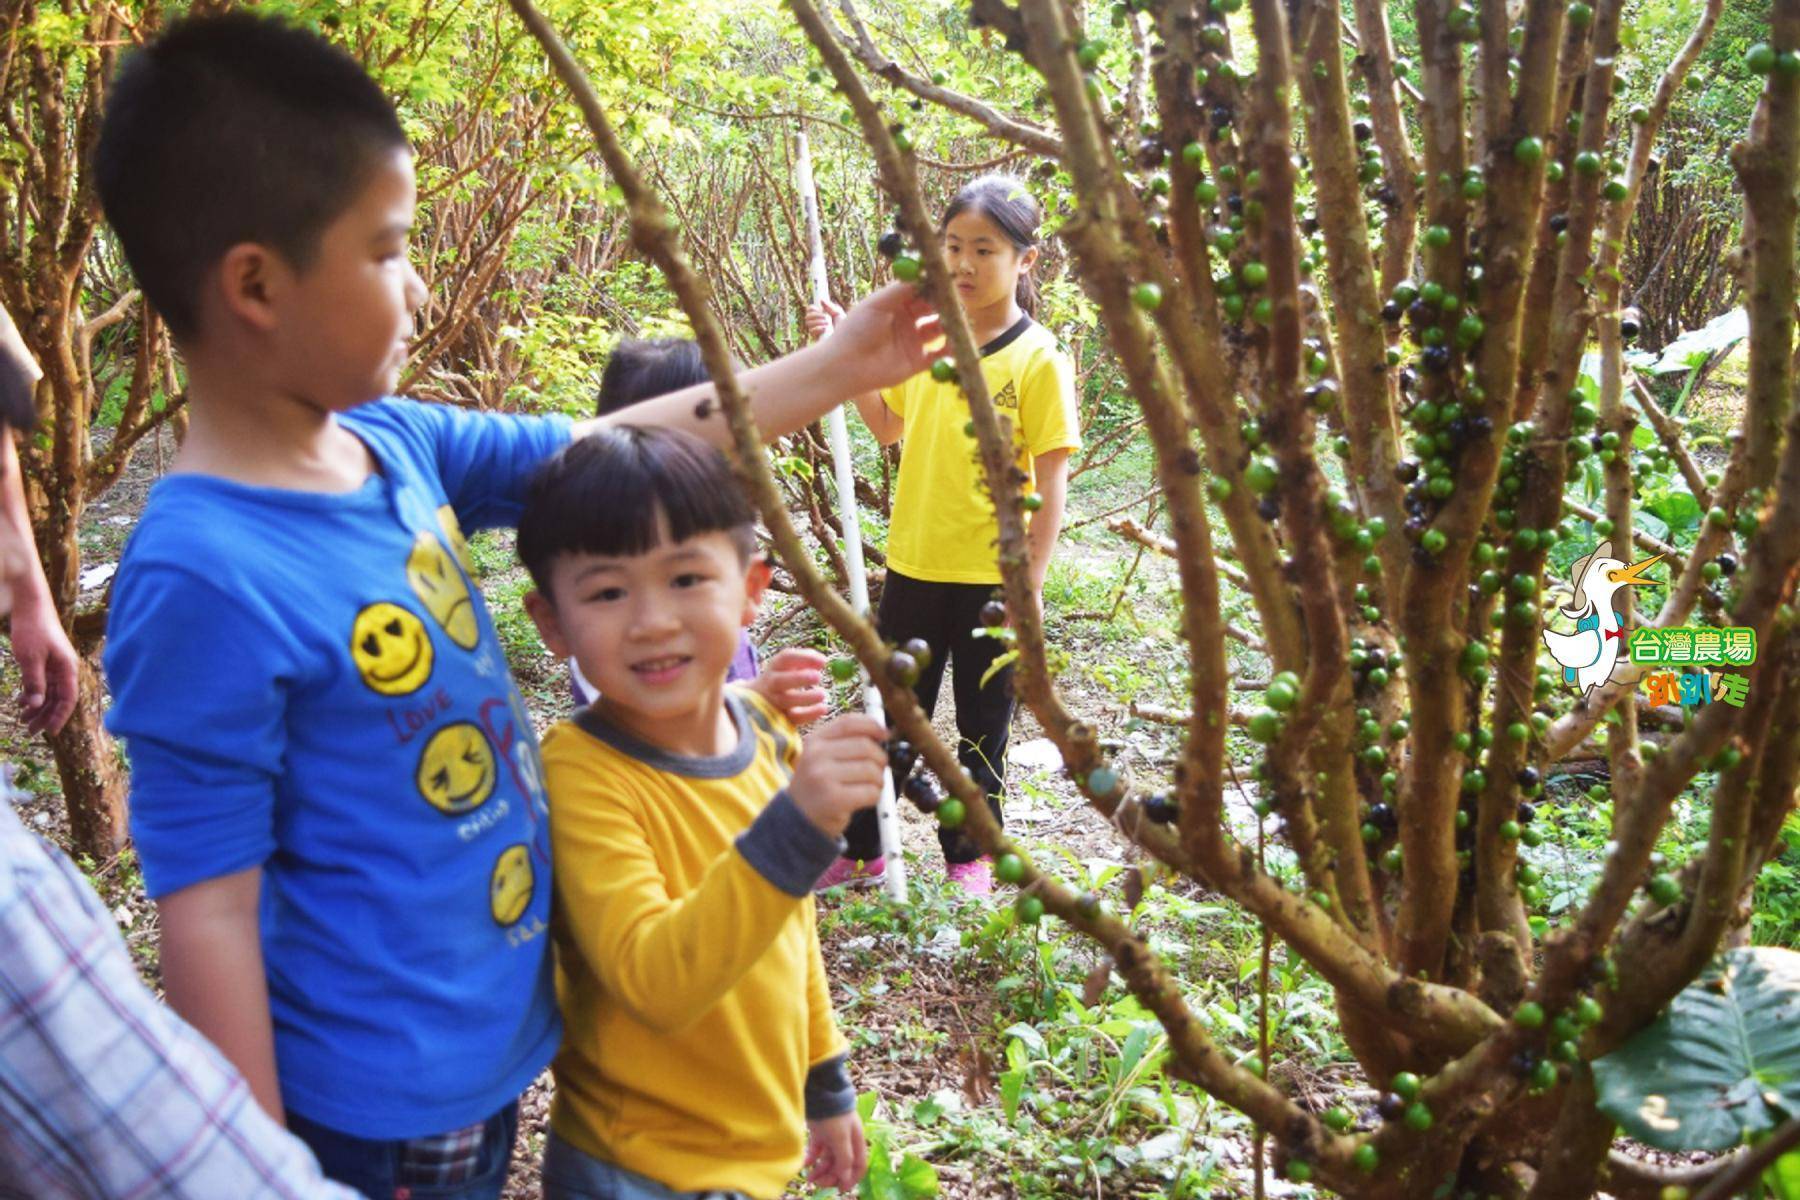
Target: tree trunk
86	761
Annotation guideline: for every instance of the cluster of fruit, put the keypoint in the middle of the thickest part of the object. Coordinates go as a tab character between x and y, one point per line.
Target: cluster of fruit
902	262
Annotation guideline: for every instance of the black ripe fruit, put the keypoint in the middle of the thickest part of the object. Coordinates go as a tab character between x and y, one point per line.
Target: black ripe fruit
891	243
922	792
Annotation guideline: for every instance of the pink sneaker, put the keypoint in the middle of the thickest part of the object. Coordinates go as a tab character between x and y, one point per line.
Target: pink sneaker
974	878
853	872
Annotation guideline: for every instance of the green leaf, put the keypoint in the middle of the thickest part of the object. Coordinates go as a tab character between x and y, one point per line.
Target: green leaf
1134	1050
918	1178
999	664
1722	1062
879	1182
1012	1083
1784	1177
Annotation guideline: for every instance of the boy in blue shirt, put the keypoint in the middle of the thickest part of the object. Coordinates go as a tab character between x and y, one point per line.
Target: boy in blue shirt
336	792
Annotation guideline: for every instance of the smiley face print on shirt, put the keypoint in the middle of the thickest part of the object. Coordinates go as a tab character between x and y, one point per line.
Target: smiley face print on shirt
456	771
442	589
510	886
391	649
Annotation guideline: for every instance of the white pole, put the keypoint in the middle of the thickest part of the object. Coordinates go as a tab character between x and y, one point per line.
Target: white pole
887	813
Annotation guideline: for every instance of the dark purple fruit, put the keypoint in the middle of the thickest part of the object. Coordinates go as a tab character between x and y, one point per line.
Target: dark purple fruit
1406	470
1527	811
1268	508
1631	322
1383	817
1527	776
1728	564
993	614
891	243
1435	358
902	754
1160	808
922	792
1559	222
903	668
1391	311
1362	130
920	649
1390	1106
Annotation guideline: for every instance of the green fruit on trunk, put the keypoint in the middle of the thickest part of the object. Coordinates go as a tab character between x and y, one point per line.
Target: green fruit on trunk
951	813
1529	151
1365	1158
1406	1086
1529	1015
1147	296
1030	910
1009	868
1760	58
1336	1118
1418	1116
843	669
907	268
943	369
1264	726
1665	889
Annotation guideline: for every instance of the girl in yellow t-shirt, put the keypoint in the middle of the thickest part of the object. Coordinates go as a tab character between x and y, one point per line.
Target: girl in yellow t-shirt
943	562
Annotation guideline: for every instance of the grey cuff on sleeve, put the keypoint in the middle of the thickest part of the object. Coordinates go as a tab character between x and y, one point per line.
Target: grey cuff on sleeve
787	849
829	1092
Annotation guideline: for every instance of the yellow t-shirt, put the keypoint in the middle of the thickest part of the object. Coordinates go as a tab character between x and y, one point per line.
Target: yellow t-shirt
693	994
943	527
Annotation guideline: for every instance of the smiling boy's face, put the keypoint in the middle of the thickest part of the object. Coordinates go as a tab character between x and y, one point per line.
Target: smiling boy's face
654	632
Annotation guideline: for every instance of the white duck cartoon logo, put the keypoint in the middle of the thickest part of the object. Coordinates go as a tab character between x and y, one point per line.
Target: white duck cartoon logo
1589	655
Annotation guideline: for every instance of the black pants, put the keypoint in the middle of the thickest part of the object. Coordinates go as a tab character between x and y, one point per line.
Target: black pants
945	615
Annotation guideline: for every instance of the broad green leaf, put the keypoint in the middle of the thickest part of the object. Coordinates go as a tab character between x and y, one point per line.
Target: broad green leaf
1134	1050
1784	1177
1723	1061
879	1183
1720	333
917	1177
1012	1083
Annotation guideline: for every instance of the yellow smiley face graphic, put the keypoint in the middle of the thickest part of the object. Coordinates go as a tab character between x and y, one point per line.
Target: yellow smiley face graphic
454	535
442	589
456	769
509	889
391	649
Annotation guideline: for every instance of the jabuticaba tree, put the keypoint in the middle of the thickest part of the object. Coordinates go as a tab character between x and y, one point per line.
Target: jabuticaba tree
1411	291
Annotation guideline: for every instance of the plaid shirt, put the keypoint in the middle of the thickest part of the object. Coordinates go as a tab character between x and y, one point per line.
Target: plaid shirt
104	1093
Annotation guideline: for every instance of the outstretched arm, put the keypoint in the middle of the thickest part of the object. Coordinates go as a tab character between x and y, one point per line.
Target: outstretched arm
883	340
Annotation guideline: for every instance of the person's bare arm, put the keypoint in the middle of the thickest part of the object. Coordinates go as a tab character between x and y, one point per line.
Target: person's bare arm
47	667
882	421
882	341
1046	523
212	968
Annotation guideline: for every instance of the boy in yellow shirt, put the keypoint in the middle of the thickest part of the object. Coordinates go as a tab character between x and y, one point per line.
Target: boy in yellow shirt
688	826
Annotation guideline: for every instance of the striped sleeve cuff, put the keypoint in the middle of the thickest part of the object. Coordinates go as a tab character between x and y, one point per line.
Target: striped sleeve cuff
787	849
829	1092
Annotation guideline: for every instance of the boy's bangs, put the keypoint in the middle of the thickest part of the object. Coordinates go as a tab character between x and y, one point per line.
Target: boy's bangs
620	491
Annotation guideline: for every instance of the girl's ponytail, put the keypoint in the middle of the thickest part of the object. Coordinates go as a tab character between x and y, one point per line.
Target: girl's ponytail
1005	201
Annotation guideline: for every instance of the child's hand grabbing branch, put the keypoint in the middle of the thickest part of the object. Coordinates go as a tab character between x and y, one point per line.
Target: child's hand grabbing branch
840	771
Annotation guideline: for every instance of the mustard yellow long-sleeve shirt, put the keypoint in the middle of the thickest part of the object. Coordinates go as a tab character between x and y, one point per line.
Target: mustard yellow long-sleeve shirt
688	969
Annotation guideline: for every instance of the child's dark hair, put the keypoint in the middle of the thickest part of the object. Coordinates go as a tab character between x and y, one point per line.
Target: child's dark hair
642	368
1005	201
610	492
232	129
